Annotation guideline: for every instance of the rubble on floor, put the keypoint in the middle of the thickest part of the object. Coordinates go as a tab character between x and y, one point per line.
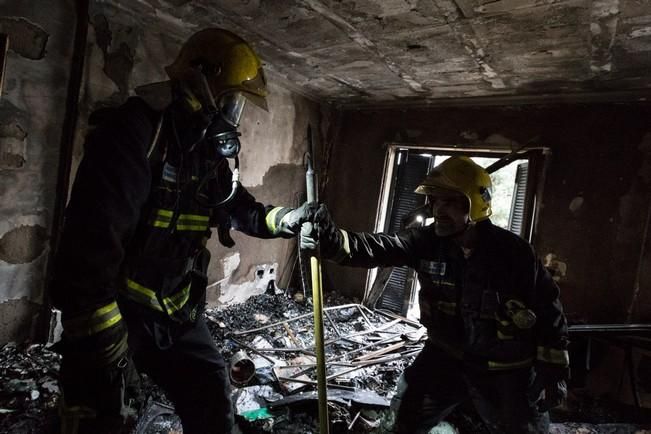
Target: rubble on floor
366	352
269	340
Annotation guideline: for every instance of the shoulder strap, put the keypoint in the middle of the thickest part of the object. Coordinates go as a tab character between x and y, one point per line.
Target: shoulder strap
154	140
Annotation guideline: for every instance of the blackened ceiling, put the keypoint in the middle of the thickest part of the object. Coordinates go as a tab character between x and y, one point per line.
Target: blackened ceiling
418	52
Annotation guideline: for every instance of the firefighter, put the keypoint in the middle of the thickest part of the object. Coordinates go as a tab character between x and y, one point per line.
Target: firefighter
497	335
130	275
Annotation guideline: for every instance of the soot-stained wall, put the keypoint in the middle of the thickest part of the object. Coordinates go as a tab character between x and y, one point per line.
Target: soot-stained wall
31	116
595	206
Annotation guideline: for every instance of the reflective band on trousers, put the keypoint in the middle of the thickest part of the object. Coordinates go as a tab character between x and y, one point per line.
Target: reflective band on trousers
94	322
143	295
185	222
552	355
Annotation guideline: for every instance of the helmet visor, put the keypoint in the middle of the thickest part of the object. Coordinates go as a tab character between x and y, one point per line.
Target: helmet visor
232	107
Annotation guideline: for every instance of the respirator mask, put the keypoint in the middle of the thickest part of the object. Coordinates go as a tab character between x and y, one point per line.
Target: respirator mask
220	139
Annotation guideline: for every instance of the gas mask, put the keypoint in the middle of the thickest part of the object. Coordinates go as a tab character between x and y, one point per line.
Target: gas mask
220	141
222	138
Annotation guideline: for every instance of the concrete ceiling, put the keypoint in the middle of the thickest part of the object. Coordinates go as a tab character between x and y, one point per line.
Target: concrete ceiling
416	52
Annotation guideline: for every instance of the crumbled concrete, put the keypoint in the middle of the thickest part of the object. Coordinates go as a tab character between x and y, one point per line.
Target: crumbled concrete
25	38
23	244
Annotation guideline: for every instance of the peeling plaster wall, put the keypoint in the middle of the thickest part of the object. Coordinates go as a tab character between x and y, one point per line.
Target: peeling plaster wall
122	56
31	116
595	206
272	170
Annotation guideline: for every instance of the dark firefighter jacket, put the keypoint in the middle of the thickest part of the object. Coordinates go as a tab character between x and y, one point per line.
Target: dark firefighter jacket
133	231
498	309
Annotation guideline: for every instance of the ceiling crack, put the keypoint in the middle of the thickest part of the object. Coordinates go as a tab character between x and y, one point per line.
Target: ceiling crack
365	43
604	17
465	34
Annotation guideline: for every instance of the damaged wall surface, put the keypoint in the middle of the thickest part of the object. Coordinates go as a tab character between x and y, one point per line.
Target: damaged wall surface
31	115
595	206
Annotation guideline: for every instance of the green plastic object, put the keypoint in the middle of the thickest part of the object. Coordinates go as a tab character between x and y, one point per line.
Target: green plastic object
257	414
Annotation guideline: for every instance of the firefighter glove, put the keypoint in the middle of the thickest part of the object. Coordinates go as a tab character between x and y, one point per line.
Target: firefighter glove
549	388
330	237
287	222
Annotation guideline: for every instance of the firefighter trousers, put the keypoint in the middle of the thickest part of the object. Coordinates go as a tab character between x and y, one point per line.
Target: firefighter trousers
436	384
184	361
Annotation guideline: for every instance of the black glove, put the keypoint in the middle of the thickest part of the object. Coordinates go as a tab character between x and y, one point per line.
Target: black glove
549	388
98	380
328	234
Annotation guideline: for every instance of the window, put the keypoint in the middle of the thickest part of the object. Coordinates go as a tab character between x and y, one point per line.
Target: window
395	289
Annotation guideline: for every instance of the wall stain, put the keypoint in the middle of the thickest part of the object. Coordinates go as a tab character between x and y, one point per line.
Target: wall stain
118	63
23	244
25	38
16	319
13	146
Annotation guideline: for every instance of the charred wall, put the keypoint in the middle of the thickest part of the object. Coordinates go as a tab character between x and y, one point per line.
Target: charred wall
595	206
31	115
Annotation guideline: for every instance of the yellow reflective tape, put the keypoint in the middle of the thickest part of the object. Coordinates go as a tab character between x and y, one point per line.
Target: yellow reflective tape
191	227
104	310
194	217
552	355
270	219
106	324
445	283
177	301
99	320
144	300
142	289
164	213
142	295
180	226
510	365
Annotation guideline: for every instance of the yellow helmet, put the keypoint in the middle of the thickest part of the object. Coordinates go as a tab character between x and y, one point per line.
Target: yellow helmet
228	62
464	176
